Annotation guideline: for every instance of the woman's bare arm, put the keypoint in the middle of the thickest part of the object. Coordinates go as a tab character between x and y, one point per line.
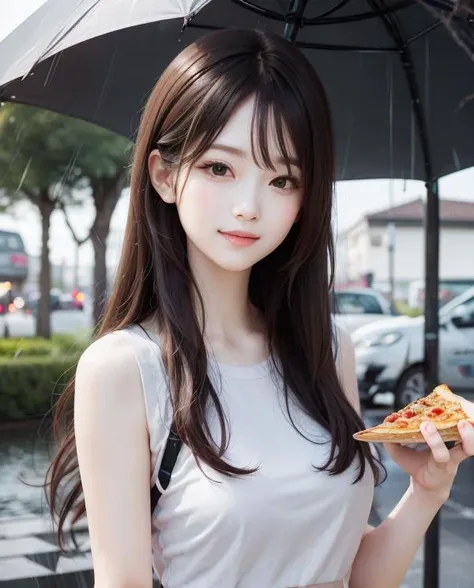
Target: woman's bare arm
346	370
114	460
385	552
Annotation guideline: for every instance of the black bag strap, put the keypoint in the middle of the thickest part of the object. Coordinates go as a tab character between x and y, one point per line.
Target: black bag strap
170	455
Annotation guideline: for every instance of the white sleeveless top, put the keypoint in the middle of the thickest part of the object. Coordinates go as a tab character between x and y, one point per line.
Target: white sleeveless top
285	526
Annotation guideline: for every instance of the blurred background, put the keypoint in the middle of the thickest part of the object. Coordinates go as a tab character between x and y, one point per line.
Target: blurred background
63	205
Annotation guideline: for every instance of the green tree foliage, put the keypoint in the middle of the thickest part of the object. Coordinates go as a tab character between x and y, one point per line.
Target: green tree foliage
43	156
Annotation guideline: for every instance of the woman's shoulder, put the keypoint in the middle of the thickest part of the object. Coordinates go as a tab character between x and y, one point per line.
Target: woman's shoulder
118	349
123	364
121	354
107	378
345	365
107	354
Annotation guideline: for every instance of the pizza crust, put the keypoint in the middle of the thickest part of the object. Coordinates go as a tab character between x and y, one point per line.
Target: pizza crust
447	429
390	436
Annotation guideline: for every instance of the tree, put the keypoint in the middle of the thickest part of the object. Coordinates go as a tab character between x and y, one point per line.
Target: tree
103	159
43	156
78	241
37	152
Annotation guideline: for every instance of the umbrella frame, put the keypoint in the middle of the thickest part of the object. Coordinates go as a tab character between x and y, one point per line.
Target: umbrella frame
293	21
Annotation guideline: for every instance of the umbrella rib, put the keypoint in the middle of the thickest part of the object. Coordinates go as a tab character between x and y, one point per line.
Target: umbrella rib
394	30
423	32
61	34
331	10
318	20
356	48
204	27
324	18
305	45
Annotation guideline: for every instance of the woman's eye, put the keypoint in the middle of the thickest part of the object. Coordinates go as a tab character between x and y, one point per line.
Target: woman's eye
285	183
218	169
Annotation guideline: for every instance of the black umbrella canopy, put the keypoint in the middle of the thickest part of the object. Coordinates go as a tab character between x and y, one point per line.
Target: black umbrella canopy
375	67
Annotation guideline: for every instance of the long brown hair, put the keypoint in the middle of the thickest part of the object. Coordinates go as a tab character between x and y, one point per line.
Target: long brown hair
189	106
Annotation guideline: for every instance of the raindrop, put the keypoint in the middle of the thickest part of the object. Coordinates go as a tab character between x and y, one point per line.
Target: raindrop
456	162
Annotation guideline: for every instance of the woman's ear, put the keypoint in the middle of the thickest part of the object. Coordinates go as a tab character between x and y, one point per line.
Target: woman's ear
161	177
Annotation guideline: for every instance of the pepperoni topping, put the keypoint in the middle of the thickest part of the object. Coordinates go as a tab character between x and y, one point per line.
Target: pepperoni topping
436	411
391	418
409	414
402	424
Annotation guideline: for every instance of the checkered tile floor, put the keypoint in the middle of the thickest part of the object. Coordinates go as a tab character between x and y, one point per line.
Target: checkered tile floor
28	549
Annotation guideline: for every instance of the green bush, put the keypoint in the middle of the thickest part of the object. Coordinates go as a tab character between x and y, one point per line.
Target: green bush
69	344
25	347
29	386
60	344
403	308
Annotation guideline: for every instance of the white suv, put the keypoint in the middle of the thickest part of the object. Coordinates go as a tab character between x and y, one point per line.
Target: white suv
390	353
354	307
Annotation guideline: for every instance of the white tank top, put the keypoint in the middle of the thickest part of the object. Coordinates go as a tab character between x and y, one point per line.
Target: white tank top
285	526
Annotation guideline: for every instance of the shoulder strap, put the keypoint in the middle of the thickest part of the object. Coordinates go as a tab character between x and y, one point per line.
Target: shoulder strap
170	455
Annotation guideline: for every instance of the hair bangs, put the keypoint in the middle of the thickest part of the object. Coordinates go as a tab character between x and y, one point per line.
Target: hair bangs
269	125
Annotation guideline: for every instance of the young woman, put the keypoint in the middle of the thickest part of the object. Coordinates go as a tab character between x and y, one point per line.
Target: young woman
219	326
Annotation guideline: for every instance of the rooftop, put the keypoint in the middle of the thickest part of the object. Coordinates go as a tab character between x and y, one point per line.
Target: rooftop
450	210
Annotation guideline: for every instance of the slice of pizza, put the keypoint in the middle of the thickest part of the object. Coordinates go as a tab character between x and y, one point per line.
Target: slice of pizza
442	407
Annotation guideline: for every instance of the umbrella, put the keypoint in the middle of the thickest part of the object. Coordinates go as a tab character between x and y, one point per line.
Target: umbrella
372	74
397	83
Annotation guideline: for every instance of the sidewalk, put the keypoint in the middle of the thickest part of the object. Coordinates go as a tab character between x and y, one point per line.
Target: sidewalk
456	518
30	558
28	550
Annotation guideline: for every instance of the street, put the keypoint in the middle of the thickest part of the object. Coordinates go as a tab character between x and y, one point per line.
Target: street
457	519
71	321
20	324
27	546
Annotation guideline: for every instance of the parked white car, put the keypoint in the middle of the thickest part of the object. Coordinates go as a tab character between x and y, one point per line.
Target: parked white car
390	353
355	307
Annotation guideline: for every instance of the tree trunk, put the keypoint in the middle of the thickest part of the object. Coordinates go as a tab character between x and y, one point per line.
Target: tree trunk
106	193
99	243
43	320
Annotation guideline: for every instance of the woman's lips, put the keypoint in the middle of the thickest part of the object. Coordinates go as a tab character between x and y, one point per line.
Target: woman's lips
240	238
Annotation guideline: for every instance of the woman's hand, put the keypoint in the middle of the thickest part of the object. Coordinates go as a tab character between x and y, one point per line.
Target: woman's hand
432	470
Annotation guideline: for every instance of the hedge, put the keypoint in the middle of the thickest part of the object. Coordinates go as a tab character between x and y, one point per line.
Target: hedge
60	344
29	386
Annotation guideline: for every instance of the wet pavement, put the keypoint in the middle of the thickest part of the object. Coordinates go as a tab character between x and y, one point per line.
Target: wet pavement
28	548
25	450
456	520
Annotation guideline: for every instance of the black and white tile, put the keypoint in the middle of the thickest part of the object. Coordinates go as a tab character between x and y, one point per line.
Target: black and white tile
28	549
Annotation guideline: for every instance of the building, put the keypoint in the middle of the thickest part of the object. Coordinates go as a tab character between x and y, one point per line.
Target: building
363	249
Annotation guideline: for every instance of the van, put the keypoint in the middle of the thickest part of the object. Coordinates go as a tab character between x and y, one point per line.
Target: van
13	259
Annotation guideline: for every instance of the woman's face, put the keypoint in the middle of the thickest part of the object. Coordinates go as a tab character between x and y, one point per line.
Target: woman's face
234	212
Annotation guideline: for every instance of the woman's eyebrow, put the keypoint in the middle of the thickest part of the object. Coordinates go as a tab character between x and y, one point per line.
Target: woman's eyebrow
237	151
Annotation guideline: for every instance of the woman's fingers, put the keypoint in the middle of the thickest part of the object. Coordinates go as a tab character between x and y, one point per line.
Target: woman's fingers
410	460
439	451
465	448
